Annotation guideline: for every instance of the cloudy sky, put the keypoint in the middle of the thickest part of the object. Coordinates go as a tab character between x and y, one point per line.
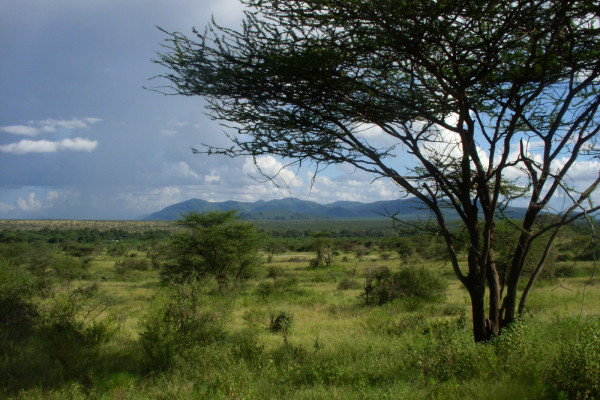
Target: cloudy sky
80	138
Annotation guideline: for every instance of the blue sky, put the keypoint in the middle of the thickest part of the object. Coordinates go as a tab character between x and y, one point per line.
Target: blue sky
81	139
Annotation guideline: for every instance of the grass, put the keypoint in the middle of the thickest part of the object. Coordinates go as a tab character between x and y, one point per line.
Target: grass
335	348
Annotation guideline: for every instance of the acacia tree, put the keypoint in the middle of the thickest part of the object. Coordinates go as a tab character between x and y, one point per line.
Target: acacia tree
215	244
483	101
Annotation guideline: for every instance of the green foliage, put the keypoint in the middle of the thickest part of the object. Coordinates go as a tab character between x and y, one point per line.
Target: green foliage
196	343
49	341
275	272
69	268
117	249
39	264
281	322
131	264
346	284
449	353
18	313
247	347
216	244
182	322
323	245
77	249
382	286
575	372
278	288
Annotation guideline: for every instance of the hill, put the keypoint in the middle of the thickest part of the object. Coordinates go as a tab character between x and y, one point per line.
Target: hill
296	209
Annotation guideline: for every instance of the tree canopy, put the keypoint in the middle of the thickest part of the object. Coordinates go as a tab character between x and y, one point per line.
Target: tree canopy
216	245
484	101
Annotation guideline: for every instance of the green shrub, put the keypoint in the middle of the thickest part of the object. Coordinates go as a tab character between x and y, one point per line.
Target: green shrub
575	372
449	353
346	284
265	290
216	244
396	326
275	272
290	356
282	322
513	346
564	271
277	288
68	268
18	314
117	249
128	264
181	323
246	346
382	286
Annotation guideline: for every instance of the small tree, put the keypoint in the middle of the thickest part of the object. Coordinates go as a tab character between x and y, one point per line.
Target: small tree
216	244
470	104
323	246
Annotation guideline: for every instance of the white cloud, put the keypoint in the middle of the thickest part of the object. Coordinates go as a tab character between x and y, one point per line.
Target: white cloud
77	144
6	207
29	204
152	200
228	11
30	146
92	120
213	177
183	169
52	195
69	124
21	130
168	132
46	146
352	187
270	167
369	131
34	128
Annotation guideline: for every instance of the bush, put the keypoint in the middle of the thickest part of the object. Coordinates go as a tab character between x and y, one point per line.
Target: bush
575	372
18	315
217	245
381	286
281	323
128	264
346	284
277	288
275	272
265	290
247	347
181	323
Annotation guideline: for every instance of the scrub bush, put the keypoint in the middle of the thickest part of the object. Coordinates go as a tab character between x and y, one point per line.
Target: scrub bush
575	372
383	286
281	322
181	323
18	314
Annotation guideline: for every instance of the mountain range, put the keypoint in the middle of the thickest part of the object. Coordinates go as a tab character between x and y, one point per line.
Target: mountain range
296	209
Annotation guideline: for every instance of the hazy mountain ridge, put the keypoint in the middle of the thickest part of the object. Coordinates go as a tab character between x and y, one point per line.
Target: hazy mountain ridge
296	209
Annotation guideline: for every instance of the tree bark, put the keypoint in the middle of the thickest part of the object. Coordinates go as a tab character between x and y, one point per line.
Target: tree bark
480	325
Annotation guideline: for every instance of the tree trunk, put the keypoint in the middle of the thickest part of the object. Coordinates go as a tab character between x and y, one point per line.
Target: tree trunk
480	325
494	308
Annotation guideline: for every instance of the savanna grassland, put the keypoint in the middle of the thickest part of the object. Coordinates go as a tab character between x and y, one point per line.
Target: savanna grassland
87	311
